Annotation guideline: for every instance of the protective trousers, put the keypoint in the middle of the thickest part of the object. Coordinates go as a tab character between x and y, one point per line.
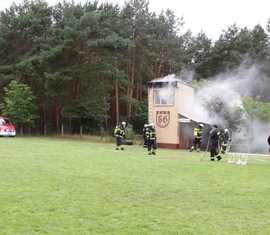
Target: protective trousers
152	143
214	153
198	142
119	143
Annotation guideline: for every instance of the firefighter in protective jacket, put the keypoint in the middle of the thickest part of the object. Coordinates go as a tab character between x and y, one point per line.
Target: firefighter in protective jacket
214	136
268	141
197	138
145	129
225	140
119	133
151	139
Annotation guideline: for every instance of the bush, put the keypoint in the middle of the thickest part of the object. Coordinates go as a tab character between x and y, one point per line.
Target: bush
129	132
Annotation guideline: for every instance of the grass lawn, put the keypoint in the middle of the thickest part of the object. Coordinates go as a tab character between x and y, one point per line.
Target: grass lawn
61	186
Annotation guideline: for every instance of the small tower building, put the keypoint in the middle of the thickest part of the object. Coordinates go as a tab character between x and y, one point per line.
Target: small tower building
170	108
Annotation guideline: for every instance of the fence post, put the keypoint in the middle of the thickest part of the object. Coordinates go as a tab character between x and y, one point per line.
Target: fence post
45	130
101	133
80	132
62	131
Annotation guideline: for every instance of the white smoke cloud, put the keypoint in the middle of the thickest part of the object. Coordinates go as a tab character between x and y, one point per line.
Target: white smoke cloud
245	82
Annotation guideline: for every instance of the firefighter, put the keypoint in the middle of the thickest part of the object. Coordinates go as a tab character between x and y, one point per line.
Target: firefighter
268	140
151	139
225	140
197	138
145	129
119	133
214	136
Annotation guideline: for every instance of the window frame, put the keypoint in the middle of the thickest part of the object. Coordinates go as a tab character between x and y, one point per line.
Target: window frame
163	101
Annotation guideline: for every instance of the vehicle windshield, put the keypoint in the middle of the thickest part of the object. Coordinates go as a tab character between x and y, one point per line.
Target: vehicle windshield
5	121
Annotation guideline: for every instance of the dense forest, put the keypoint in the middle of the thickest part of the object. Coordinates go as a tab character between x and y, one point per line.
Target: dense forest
88	64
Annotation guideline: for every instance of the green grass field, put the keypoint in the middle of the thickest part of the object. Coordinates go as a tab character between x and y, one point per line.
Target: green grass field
61	186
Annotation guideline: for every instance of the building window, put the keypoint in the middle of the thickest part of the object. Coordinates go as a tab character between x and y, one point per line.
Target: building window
164	97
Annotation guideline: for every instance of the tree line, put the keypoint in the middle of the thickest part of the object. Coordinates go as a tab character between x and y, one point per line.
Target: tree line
88	64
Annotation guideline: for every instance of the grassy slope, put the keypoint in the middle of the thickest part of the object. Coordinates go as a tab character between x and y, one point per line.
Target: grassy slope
58	186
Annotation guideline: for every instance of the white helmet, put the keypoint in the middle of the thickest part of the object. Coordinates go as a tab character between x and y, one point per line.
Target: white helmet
123	125
151	125
226	130
201	125
145	125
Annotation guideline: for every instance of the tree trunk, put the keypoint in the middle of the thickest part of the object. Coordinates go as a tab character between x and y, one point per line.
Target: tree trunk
104	97
161	62
130	94
116	101
139	85
71	126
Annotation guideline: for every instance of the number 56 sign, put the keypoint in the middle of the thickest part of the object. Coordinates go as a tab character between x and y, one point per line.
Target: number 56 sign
162	118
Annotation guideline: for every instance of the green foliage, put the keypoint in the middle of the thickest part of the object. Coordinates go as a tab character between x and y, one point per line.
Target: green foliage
200	49
139	115
129	132
255	112
255	109
264	112
235	45
233	118
199	84
218	106
19	103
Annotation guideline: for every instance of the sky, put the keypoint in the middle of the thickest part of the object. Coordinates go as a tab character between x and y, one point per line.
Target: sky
211	16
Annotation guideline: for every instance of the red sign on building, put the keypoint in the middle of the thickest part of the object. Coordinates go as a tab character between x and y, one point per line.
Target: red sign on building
163	118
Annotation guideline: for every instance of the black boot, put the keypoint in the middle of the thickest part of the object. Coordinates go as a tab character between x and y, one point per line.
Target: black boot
219	157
